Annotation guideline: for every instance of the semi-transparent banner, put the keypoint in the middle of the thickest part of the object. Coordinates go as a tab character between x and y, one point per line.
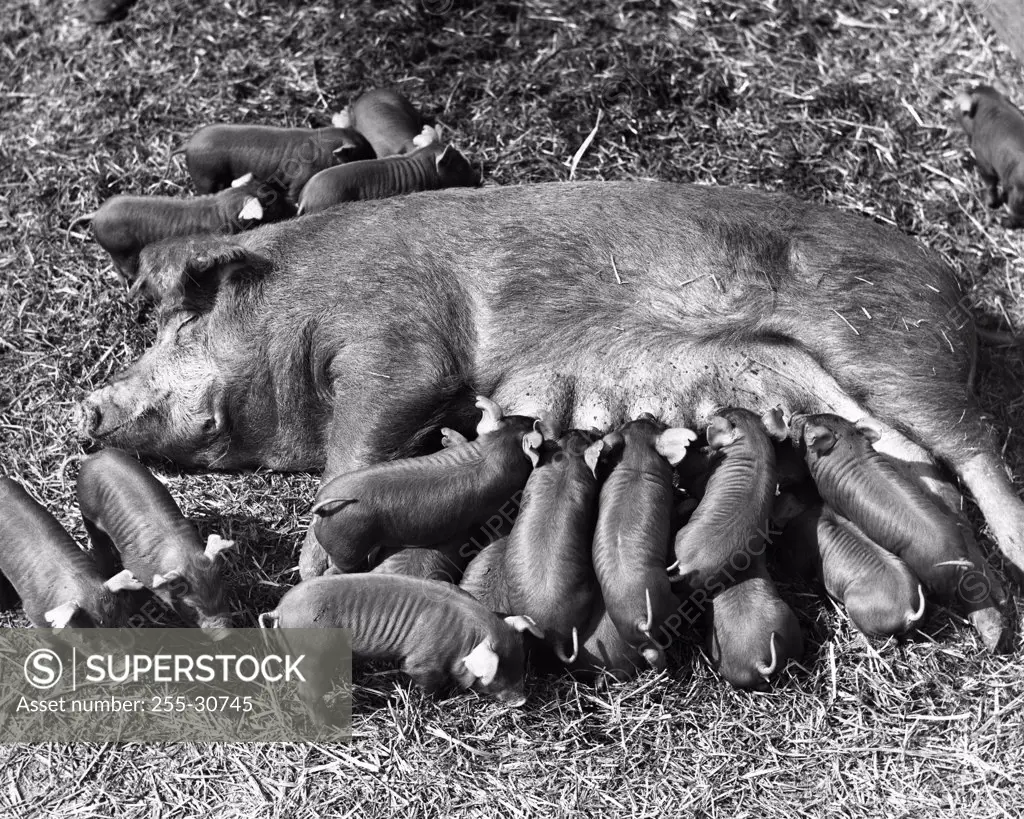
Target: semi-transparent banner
174	685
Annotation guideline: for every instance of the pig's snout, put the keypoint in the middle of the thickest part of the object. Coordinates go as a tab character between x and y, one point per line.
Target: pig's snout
98	415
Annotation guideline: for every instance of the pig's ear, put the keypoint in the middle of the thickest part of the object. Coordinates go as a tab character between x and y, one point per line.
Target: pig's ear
242	180
521	623
603	449
124	580
343	119
60	616
482	663
493	414
532	442
328	506
161	580
869	430
215	545
548	426
450	438
428	136
774	423
450	156
347	153
672	443
251	210
721	432
819	439
205	273
966	105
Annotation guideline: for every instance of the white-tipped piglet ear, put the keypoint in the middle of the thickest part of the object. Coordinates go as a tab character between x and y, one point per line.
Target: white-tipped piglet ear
215	544
492	415
342	119
428	136
531	443
521	623
592	455
964	103
869	430
124	580
163	579
61	616
447	155
328	506
672	443
774	422
252	209
450	438
242	180
482	663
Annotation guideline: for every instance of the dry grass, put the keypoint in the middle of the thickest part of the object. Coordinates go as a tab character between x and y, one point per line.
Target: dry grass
847	104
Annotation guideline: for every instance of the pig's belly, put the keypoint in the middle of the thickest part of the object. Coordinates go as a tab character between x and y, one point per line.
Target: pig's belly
683	386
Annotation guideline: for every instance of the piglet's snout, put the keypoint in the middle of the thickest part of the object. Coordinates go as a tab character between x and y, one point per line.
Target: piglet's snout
514	698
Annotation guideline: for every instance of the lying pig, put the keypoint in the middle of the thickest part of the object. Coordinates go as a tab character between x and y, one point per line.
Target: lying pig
287	157
125	507
548	567
425	500
425	169
445	562
59	584
730	523
348	337
996	130
124	225
438	632
388	120
880	593
631	540
862	486
751	631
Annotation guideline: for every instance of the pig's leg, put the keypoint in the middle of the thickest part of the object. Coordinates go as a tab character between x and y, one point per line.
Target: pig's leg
992	196
108	559
1016	202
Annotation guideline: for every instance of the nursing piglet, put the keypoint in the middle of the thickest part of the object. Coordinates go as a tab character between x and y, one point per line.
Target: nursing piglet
430	499
59	584
126	507
633	530
390	123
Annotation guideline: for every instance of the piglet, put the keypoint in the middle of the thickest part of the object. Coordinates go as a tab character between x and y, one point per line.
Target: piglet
425	169
995	127
750	630
631	540
286	157
486	580
445	561
58	583
731	520
124	225
438	632
864	487
430	499
388	120
880	593
126	508
548	562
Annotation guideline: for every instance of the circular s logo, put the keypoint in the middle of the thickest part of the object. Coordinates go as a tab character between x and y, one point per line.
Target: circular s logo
43	668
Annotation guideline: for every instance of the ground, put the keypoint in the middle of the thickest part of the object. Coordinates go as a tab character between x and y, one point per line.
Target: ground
848	104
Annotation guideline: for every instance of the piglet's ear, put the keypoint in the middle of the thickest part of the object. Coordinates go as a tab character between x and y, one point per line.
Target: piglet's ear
869	430
251	210
215	545
592	455
721	432
532	442
161	580
60	616
819	439
482	663
493	414
242	180
215	267
343	119
775	424
548	426
672	443
428	136
124	580
521	623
